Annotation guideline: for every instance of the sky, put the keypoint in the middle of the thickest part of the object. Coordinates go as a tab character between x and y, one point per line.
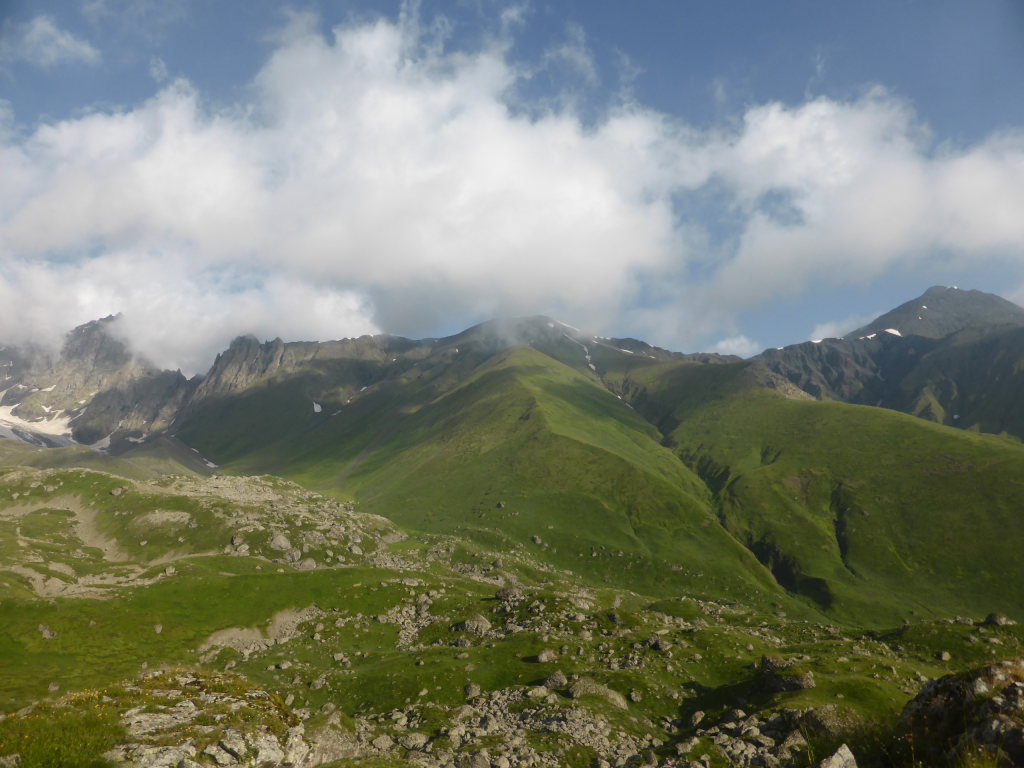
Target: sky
724	176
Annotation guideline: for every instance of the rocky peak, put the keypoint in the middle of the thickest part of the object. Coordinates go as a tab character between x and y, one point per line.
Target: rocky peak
245	362
941	311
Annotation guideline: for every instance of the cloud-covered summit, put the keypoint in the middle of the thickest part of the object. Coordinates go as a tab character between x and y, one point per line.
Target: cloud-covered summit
379	176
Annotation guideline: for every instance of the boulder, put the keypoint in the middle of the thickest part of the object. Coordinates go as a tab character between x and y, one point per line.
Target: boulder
280	543
587	687
779	675
974	715
475	625
556	680
843	758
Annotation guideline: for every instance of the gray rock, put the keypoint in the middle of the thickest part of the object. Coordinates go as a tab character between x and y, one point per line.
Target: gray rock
472	690
308	564
280	543
998	620
267	748
414	740
843	758
475	625
587	687
382	742
295	748
46	632
509	594
233	744
556	680
219	755
778	675
546	656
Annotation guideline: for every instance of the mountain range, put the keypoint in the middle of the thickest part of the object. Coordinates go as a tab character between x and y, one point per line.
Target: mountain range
850	498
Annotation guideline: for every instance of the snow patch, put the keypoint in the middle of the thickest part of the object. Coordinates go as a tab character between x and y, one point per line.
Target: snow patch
49	388
893	331
924	306
317	407
58	426
102	444
136	440
210	464
816	341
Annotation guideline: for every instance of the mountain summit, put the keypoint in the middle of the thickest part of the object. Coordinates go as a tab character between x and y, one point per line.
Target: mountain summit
940	311
950	356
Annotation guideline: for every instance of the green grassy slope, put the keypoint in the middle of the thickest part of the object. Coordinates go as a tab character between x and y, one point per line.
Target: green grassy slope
515	447
870	514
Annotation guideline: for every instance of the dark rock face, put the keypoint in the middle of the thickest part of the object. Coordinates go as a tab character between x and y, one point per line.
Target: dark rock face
980	712
950	356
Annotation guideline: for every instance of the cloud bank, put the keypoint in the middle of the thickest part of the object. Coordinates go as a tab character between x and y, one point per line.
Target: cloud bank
379	178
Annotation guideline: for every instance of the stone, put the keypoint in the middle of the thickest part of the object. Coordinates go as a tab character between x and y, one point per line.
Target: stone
10	761
233	744
382	742
983	707
779	675
943	656
587	687
280	543
414	740
998	620
509	594
267	748
237	540
843	758
46	632
556	680
218	755
295	747
546	656
472	690
307	564
475	625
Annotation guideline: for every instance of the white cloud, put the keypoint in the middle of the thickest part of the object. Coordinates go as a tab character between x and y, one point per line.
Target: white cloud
41	42
836	329
158	70
382	176
737	345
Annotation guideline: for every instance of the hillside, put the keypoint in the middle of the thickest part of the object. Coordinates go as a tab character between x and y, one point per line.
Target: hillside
519	545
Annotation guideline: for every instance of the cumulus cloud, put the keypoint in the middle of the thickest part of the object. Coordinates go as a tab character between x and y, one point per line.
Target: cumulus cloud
737	345
836	329
378	177
42	43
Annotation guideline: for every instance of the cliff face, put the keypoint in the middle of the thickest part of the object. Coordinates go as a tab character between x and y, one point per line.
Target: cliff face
950	356
93	387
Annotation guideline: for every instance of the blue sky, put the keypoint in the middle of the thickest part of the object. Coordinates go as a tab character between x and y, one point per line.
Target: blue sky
730	175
